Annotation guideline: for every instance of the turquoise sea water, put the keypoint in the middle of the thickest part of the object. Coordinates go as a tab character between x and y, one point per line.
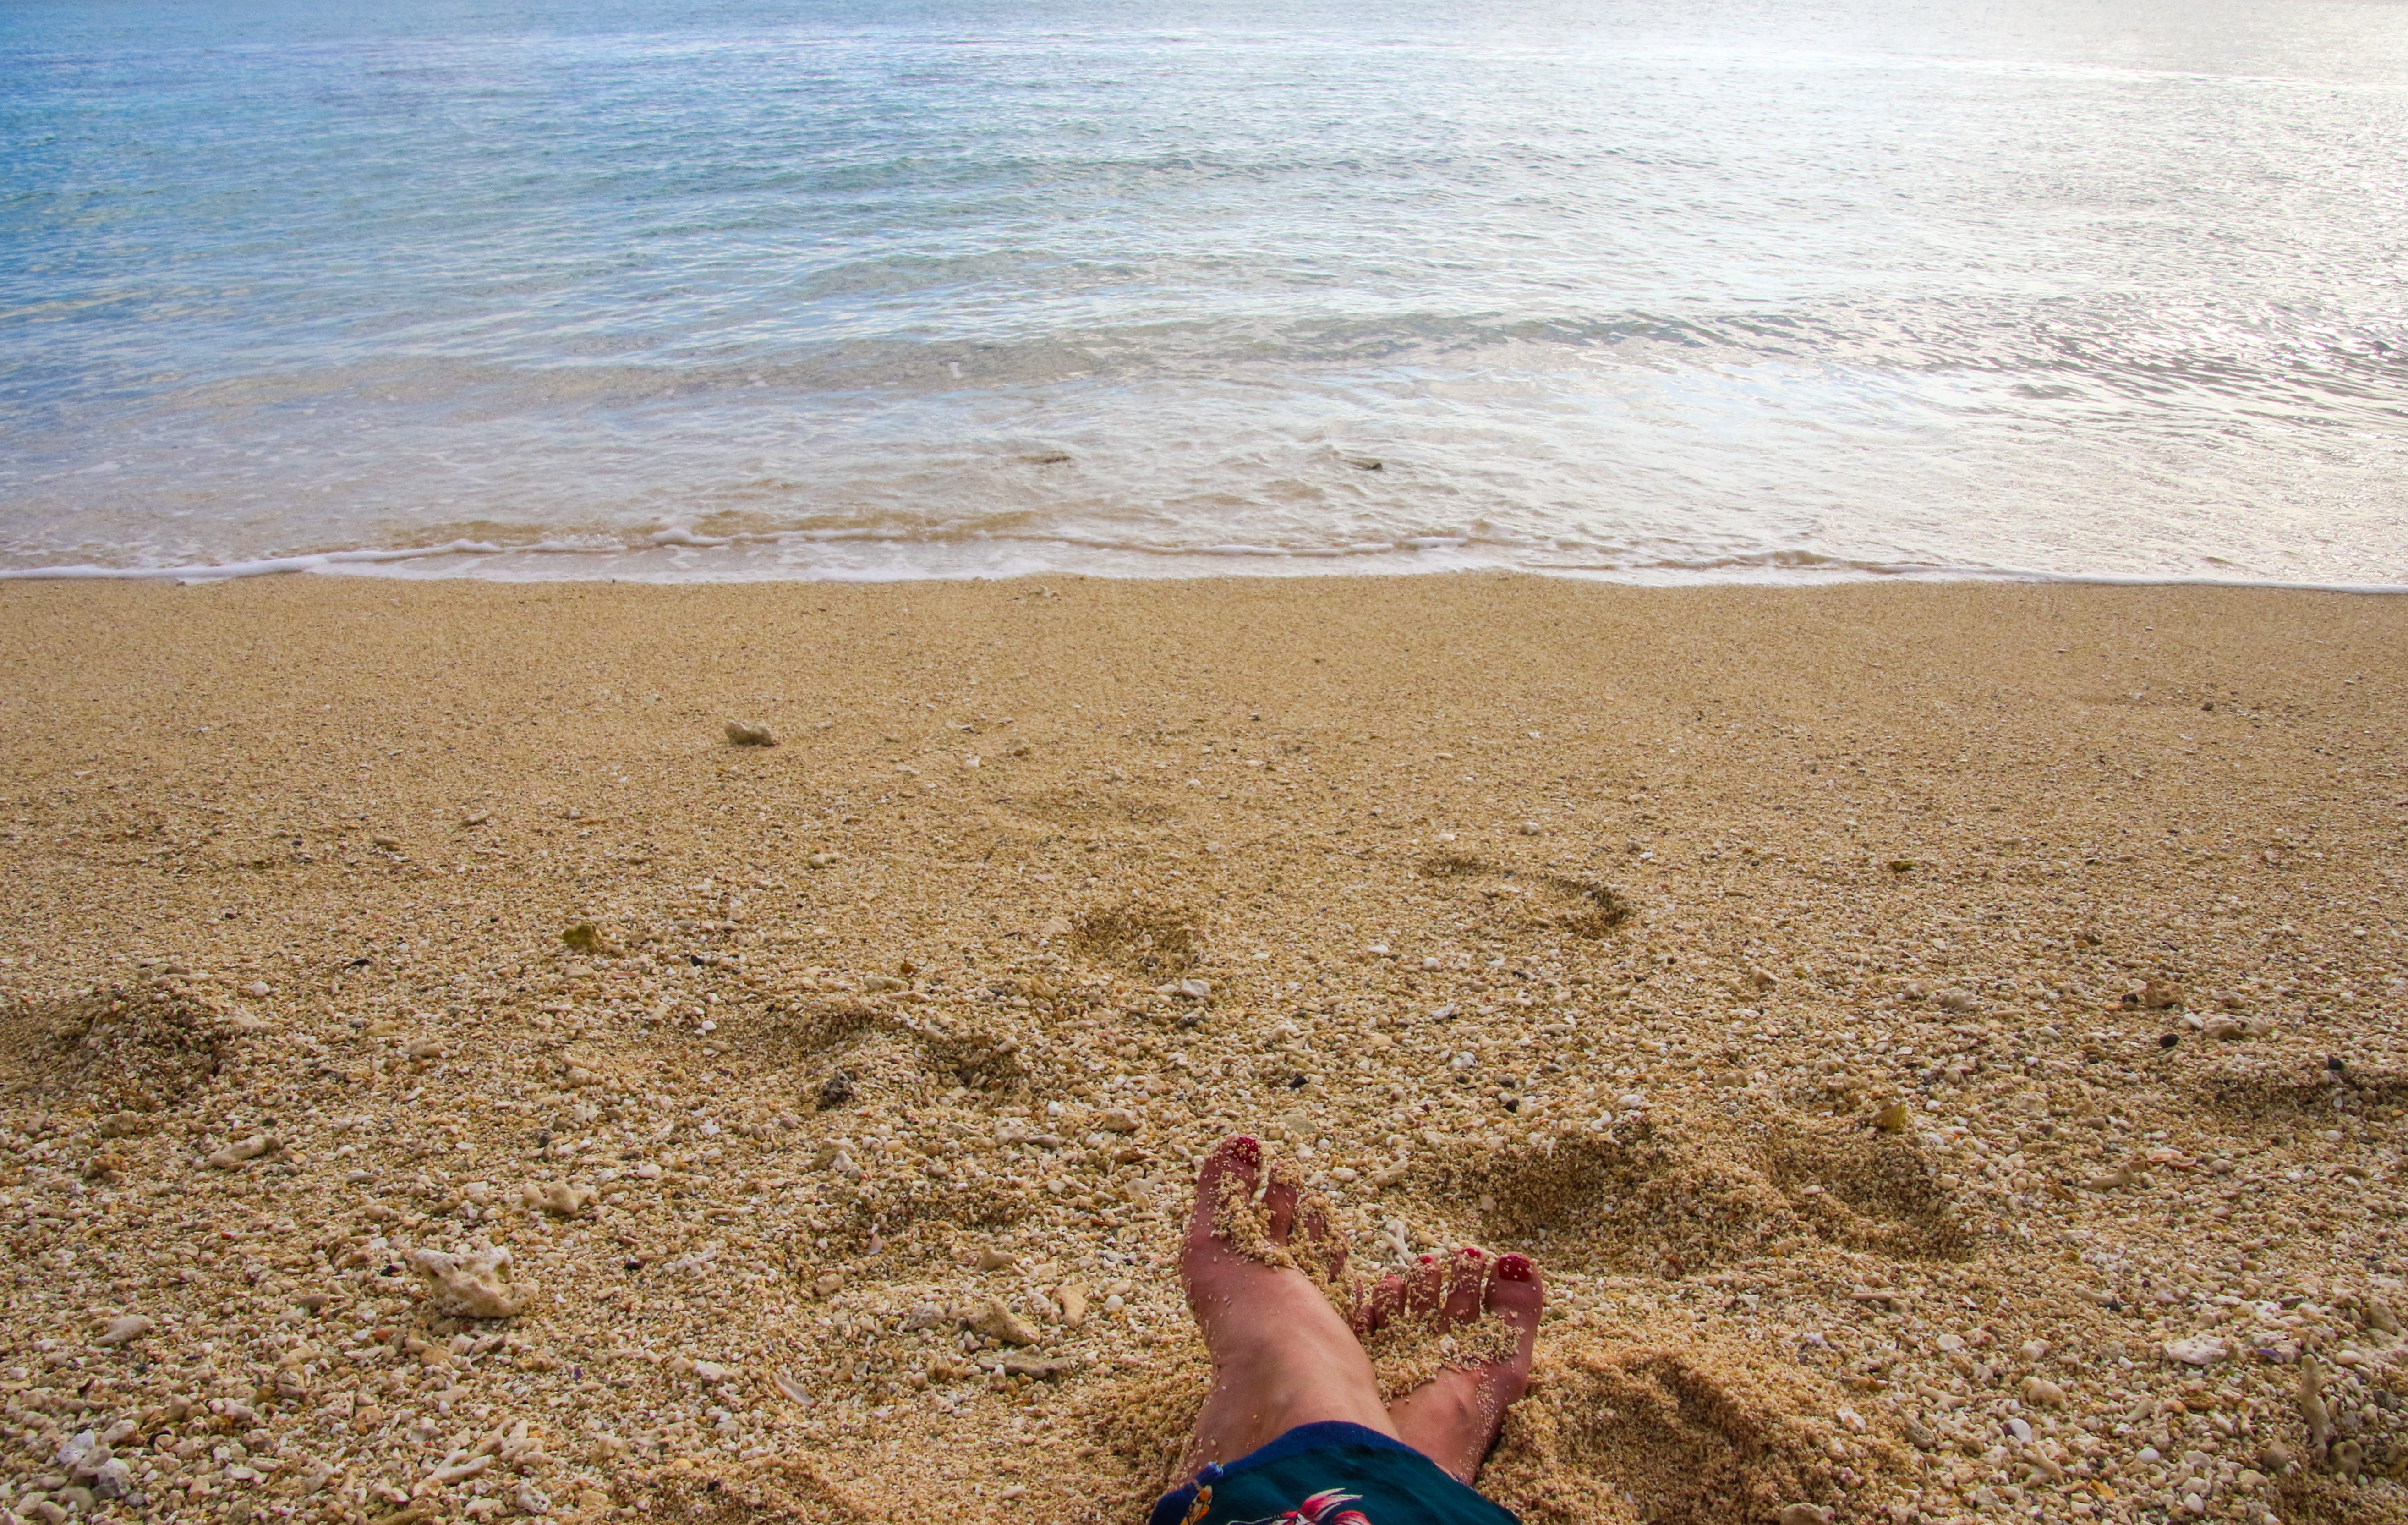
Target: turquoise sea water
1736	290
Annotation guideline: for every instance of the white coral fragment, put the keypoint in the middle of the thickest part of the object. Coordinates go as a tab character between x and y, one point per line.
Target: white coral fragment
559	1199
2200	1350
235	1155
473	1285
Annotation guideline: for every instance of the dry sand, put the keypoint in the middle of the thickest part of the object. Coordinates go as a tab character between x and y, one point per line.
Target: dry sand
1942	1041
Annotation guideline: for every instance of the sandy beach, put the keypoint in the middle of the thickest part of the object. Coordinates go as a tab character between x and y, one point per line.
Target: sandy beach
1942	1042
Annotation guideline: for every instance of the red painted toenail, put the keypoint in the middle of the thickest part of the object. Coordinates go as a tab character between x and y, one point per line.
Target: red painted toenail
1246	1150
1516	1268
1472	1252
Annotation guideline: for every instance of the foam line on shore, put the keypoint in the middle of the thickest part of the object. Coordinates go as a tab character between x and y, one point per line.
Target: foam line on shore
1421	553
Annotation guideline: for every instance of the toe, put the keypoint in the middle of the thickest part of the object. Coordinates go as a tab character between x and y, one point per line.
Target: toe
1424	1288
1385	1300
1467	1279
1329	1247
1279	1208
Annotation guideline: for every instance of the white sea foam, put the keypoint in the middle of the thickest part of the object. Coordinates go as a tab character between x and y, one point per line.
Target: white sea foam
996	558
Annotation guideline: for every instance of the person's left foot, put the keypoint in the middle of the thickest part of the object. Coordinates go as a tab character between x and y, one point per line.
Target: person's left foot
1453	1418
1282	1356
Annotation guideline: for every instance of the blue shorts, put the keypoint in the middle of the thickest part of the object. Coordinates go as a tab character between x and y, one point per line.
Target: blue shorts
1329	1474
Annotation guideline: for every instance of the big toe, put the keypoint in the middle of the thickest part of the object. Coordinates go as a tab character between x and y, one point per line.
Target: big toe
1233	1167
1518	1295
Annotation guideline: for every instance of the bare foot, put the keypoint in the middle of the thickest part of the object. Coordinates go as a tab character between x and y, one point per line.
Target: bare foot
1453	1418
1282	1356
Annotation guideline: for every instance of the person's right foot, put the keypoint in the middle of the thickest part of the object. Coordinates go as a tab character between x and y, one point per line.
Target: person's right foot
1282	1356
1453	1418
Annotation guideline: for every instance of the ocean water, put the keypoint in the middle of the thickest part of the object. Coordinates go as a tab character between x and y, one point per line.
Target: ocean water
1778	290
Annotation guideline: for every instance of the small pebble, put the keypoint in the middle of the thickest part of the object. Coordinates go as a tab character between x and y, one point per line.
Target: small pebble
2041	1391
585	938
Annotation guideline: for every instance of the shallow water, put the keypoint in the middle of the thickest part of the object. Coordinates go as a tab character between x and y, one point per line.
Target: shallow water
1740	291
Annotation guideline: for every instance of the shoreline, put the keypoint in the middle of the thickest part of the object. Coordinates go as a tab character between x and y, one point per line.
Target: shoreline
530	563
1703	882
